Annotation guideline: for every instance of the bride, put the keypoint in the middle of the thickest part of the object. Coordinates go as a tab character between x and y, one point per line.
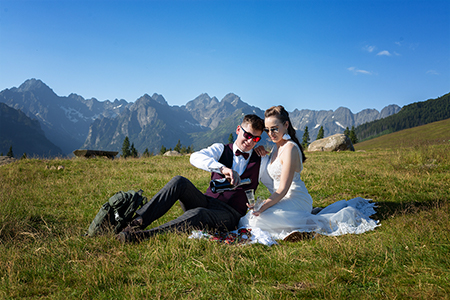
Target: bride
288	210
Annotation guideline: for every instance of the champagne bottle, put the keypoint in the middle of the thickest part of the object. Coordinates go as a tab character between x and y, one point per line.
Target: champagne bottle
221	185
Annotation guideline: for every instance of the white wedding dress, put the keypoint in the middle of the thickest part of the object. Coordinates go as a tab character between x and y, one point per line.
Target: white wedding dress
293	212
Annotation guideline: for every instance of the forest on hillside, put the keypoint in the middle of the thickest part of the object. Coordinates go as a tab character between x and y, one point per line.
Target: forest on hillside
412	115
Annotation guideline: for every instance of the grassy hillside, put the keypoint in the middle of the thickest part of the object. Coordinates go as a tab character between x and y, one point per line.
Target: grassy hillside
436	132
412	115
45	211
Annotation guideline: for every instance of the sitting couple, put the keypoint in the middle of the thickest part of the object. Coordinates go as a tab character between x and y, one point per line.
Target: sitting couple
287	210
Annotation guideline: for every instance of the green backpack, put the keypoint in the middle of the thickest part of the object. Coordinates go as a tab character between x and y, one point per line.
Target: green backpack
115	214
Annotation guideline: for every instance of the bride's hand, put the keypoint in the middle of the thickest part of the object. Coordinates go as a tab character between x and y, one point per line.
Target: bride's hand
256	213
259	205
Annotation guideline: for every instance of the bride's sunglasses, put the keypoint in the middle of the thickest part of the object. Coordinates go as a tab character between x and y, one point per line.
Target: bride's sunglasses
272	130
248	136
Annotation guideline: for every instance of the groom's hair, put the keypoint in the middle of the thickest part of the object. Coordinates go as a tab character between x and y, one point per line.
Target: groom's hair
256	122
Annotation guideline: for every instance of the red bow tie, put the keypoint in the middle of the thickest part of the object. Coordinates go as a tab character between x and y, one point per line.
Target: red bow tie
245	155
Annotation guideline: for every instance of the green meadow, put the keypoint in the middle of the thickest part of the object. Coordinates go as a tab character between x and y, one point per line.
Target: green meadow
44	213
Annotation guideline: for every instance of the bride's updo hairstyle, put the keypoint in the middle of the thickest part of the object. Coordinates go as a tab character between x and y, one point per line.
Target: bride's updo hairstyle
282	115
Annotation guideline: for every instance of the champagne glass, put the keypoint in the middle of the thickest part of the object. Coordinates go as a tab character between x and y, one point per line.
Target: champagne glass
250	196
258	204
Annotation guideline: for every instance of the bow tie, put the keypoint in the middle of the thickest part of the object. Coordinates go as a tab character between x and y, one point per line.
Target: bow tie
239	152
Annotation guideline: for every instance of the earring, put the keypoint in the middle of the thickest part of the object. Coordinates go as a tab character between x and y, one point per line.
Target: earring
286	137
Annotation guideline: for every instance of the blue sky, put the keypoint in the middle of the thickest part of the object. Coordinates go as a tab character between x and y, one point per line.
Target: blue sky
316	55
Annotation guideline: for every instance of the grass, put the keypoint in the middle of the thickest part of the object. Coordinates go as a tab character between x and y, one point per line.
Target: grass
432	133
44	213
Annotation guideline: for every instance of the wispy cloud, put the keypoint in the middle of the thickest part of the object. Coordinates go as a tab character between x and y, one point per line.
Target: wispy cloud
369	49
432	72
384	52
413	46
358	71
409	45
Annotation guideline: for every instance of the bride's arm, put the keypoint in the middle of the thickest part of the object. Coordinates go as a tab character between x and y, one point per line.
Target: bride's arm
290	160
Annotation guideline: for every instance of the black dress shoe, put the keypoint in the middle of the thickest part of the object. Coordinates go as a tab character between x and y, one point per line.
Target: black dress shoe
123	237
134	225
138	221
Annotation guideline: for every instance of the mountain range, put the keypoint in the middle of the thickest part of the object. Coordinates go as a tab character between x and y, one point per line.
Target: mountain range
73	122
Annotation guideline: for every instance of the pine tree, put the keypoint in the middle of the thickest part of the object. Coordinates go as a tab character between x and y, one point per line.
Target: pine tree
126	152
353	136
230	139
146	153
347	131
133	151
162	150
305	140
10	152
178	147
320	134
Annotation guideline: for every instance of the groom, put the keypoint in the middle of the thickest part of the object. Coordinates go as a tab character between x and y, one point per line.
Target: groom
220	211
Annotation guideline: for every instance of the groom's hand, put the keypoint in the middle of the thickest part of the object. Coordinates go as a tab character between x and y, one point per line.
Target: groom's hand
261	151
231	175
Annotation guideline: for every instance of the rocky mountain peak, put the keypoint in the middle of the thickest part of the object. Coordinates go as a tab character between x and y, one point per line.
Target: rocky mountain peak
390	110
342	110
75	97
203	101
233	99
35	85
146	100
159	98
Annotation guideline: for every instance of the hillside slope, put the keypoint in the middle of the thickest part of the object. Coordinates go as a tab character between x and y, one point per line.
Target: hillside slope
432	133
24	135
412	115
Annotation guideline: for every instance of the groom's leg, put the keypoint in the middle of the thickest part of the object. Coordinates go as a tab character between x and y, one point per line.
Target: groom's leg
178	188
218	216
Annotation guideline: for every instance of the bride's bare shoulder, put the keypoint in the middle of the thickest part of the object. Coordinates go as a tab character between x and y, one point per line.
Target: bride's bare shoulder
291	147
291	150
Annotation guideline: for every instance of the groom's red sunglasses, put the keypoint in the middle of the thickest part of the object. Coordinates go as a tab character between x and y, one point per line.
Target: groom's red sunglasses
248	136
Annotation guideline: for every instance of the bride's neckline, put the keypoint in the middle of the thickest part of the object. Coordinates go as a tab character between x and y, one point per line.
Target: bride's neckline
278	151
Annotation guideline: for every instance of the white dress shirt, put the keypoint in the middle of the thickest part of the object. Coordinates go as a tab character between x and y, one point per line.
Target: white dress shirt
208	159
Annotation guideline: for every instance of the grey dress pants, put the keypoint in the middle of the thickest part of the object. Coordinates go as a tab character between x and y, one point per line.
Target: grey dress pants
200	211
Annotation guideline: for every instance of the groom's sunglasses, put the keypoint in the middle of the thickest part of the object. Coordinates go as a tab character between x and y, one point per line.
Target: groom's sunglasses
248	136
